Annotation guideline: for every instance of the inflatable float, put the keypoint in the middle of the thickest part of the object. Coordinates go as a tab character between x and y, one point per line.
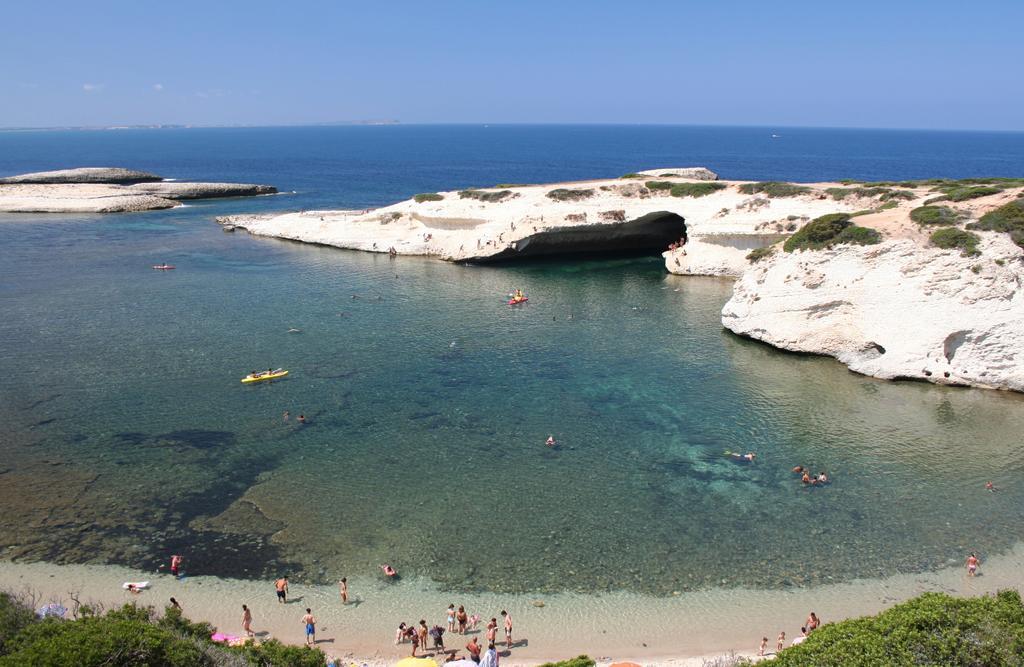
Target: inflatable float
136	585
163	267
268	375
517	301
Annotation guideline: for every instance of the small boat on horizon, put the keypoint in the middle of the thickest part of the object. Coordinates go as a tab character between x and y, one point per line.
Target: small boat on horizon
163	267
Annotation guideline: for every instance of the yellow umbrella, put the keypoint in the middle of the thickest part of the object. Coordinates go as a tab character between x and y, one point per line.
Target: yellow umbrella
415	662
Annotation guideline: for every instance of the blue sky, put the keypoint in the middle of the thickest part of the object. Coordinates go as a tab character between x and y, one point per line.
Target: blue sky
867	64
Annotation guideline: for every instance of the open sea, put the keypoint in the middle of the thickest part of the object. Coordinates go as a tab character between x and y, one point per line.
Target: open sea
127	434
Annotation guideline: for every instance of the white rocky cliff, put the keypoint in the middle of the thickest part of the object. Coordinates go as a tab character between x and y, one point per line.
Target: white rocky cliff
899	309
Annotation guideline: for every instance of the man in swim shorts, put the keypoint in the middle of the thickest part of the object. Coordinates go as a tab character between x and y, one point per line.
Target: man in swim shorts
310	626
508	628
282	589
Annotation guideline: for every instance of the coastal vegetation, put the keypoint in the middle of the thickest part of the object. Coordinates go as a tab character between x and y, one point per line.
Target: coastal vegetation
566	194
883	194
965	193
934	215
933	629
578	661
487	196
632	176
774	189
757	254
828	231
1007	218
686	189
127	636
427	196
512	185
953	237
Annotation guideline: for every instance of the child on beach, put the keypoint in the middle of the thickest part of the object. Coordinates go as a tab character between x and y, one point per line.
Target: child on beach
311	627
972	564
782	640
764	646
451	618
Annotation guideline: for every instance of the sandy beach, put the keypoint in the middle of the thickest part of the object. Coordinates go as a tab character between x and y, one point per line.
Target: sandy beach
677	630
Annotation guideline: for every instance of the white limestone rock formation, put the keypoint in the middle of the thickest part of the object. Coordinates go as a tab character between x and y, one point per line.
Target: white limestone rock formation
112	175
899	309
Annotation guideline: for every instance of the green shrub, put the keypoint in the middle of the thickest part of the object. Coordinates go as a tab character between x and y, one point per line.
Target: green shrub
934	215
828	231
952	237
488	196
696	189
659	185
115	639
632	175
563	194
842	193
965	193
893	195
579	661
427	196
774	189
757	254
274	653
15	616
512	185
933	629
1006	218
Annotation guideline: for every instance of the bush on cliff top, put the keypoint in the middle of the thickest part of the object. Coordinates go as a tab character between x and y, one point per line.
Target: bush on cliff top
774	189
965	193
696	189
1007	218
933	629
828	231
659	185
934	215
564	194
953	237
427	196
488	196
757	254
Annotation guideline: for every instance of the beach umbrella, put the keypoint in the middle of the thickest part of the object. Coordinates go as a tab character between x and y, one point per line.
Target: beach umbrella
416	662
52	609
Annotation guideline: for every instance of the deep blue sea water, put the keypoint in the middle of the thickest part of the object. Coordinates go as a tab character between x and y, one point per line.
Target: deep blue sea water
128	435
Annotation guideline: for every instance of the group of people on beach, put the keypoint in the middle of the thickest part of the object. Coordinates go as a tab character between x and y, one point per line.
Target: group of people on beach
460	622
812	624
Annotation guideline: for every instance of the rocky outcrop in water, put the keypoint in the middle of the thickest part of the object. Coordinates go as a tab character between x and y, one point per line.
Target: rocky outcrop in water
108	190
111	175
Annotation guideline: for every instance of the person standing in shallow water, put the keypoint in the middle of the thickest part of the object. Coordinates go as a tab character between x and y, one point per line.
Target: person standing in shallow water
463	618
175	565
972	564
282	590
343	590
492	631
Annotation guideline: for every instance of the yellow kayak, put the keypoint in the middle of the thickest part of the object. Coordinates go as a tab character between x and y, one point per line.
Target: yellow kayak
269	375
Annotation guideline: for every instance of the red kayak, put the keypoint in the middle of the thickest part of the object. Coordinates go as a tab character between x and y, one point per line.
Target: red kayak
163	267
513	302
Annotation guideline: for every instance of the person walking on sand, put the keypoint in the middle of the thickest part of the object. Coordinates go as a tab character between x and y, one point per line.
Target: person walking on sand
492	631
310	623
972	564
764	646
247	621
343	590
782	640
282	589
508	628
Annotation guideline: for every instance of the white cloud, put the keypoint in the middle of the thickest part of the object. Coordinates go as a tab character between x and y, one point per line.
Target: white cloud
158	87
92	87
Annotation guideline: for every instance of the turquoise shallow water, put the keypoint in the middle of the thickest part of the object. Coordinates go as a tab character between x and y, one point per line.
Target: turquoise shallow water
429	399
127	435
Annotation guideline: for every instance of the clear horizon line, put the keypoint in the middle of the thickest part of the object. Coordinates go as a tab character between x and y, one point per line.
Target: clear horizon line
393	122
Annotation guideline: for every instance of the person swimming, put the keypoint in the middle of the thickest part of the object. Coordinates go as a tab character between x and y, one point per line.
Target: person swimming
741	458
550	442
822	478
799	469
388	570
